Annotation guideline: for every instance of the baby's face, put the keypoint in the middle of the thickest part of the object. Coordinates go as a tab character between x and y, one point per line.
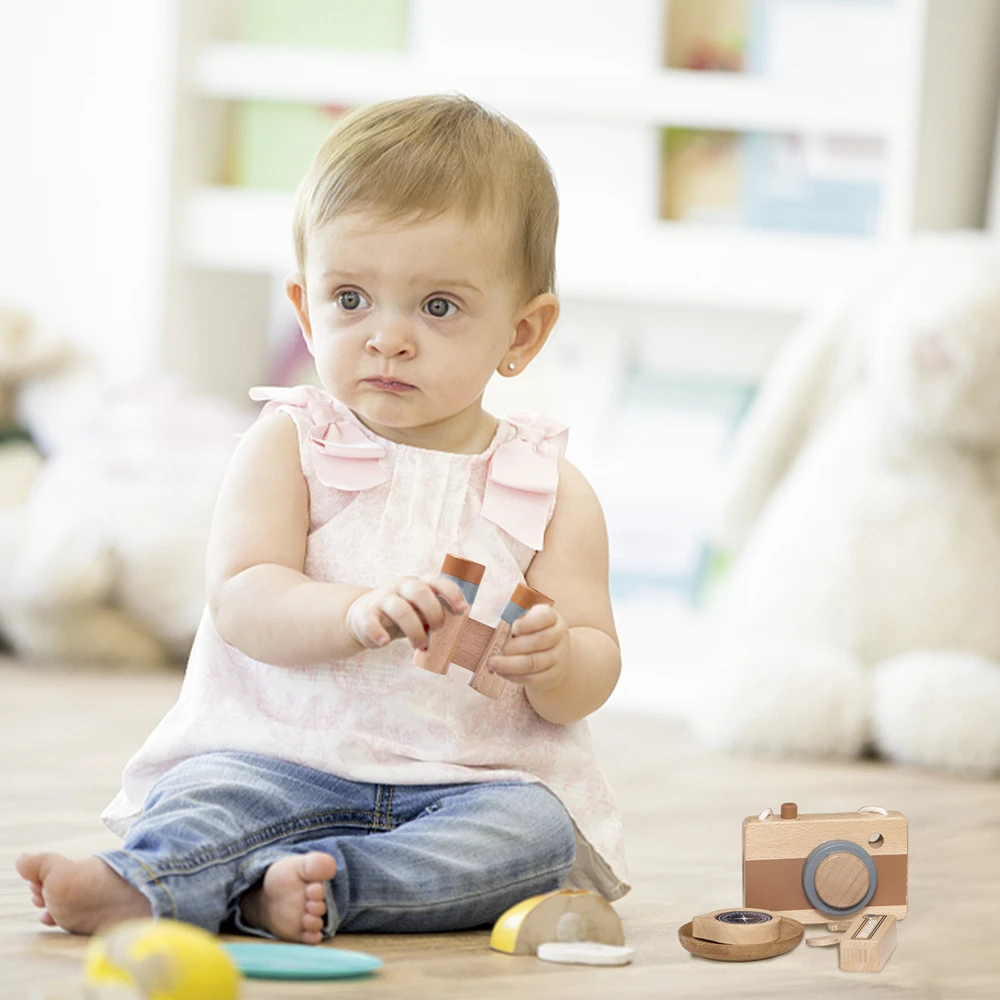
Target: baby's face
407	321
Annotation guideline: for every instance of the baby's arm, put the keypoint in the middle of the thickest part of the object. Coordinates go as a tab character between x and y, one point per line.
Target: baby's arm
261	601
567	657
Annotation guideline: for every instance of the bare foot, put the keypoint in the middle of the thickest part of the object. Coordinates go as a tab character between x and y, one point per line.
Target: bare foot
79	896
290	901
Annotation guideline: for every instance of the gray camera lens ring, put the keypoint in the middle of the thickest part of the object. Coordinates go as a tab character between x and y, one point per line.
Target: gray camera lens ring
820	854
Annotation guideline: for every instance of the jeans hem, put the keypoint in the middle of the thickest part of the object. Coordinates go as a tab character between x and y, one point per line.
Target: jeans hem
141	878
331	920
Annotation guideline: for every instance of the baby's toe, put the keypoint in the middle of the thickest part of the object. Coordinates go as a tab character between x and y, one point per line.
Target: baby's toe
311	937
311	923
46	918
317	907
318	867
315	891
29	867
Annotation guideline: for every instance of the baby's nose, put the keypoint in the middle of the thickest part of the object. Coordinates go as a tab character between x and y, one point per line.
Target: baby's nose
393	336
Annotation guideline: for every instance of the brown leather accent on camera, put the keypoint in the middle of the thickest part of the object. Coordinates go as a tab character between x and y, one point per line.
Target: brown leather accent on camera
891	889
777	885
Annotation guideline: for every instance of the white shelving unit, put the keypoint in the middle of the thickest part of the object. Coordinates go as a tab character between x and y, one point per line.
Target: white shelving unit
248	231
240	71
596	110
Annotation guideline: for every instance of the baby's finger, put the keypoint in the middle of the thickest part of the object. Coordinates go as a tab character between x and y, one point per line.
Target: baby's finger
532	642
405	618
449	590
388	624
536	669
375	630
425	600
541	616
523	665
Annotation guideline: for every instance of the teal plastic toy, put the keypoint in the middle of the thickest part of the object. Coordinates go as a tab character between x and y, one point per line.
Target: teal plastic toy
300	961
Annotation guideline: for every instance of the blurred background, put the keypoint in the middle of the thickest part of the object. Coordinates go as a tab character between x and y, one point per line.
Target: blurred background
725	167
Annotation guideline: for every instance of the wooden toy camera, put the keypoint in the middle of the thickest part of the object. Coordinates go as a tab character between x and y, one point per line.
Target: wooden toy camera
825	866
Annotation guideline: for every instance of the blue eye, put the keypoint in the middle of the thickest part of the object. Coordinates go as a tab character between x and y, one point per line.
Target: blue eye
351	300
440	308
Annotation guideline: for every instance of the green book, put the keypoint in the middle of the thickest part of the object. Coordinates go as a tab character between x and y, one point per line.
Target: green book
271	142
345	25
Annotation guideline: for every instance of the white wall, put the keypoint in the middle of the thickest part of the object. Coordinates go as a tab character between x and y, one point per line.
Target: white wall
83	105
956	114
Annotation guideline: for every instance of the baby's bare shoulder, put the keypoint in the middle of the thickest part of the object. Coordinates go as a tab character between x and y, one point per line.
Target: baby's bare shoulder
262	512
576	501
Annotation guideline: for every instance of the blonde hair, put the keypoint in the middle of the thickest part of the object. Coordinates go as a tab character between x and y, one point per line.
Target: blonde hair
422	156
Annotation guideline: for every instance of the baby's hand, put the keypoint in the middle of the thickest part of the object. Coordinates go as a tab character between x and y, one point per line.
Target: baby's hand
408	607
537	652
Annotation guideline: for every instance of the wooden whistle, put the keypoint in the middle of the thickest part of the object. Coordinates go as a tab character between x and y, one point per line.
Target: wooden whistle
488	683
441	642
467	642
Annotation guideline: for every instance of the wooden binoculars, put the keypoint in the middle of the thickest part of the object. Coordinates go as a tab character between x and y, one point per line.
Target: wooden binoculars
469	643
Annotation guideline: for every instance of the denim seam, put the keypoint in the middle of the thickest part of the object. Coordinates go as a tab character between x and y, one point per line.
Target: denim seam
472	895
388	809
155	881
377	821
255	858
264	838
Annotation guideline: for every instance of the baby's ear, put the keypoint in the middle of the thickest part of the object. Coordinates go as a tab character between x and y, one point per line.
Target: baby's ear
532	325
295	289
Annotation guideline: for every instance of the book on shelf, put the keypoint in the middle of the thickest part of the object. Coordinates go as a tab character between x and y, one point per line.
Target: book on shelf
706	35
797	182
339	25
271	143
848	41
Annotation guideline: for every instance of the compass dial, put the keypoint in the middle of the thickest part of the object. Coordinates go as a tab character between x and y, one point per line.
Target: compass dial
743	917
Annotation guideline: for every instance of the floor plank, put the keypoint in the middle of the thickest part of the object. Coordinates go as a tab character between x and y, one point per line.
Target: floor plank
65	734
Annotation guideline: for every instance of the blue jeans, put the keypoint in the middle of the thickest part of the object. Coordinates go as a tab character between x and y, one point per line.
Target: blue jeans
409	857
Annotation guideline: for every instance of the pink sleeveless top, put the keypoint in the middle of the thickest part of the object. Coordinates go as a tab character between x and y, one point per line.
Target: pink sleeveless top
379	510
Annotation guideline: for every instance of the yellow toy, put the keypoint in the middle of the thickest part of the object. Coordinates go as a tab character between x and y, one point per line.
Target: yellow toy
161	960
564	916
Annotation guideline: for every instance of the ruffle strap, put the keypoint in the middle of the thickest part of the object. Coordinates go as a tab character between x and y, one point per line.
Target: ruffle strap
343	457
521	482
523	477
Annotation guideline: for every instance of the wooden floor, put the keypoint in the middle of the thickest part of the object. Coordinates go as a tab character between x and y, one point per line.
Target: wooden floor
64	735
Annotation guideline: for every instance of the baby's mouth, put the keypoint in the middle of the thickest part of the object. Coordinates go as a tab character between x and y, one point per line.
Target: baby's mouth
388	383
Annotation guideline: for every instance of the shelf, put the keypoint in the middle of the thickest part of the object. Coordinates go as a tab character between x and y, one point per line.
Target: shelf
241	71
234	229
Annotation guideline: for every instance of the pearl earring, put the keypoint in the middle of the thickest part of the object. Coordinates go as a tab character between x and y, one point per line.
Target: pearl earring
511	365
